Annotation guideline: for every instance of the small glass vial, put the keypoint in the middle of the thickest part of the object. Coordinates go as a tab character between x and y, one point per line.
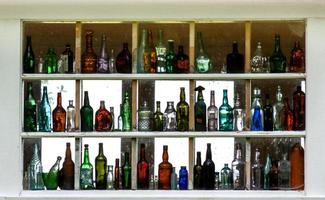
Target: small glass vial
110	177
216	182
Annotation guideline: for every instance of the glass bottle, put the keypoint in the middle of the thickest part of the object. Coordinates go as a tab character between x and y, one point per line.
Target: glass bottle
35	171
40	65
277	108
212	114
100	169
112	62
268	114
198	174
287	116
257	115
173	180
257	62
161	51
235	60
183	178
69	58
274	173
297	167
71	117
140	51
119	119
200	111
208	170
225	114
44	113
257	172
103	118
86	115
153	54
51	62
202	61
145	117
86	172
117	174
164	171
299	109
238	169
297	59
110	177
147	57
158	118
29	58
67	171
277	60
170	117
59	116
239	115
267	171
51	179
126	113
226	178
89	58
284	173
170	58
124	60
111	110
126	172
182	112
30	124
182	61
102	63
217	181
143	169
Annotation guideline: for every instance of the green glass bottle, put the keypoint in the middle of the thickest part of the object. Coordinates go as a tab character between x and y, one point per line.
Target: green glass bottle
126	113
182	112
29	58
30	110
86	172
161	53
100	169
140	51
44	113
126	172
170	58
202	61
200	111
86	115
158	117
51	62
225	114
278	60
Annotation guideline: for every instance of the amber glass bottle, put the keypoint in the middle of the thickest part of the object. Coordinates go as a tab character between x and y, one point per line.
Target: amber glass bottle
297	167
165	171
89	58
67	171
287	116
297	59
143	169
299	109
59	116
103	119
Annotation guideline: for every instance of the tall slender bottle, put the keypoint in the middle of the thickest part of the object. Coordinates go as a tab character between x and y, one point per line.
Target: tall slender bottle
158	118
100	169
182	112
170	58
164	171
257	62
297	167
44	113
29	58
67	171
30	124
212	114
51	61
225	114
147	57
274	173
35	170
257	172
89	58
238	169
235	60
202	61
117	174
208	170
257	115
126	113
299	109
140	51
198	173
284	168
297	59
277	108
287	116
143	170
119	119
182	61
267	171
239	115
111	110
102	64
103	118
59	116
170	116
69	58
153	54
124	60
161	51
86	172
268	114
126	172
71	117
86	115
200	111
277	60
112	62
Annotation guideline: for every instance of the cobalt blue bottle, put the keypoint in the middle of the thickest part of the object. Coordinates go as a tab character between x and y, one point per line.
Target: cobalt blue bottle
257	115
183	178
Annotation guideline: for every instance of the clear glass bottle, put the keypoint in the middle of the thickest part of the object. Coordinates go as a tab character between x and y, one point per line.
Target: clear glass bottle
145	117
238	169
212	114
202	61
71	117
257	115
102	64
112	62
235	60
267	171
110	177
182	112
277	108
119	119
200	111
170	58
44	113
161	51
257	62
170	117
225	114
226	178
257	172
278	60
284	168
35	171
239	115
173	180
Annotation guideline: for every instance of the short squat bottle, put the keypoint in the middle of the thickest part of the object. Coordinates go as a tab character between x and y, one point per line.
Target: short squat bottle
226	178
103	118
124	60
182	61
51	62
235	60
183	178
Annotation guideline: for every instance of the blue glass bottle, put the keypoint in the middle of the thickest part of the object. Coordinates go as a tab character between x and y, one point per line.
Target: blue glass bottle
44	113
225	114
183	178
257	114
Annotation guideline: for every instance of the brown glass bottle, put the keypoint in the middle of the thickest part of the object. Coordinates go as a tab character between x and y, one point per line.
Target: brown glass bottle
165	171
103	118
117	174
297	59
89	58
182	61
299	109
143	170
124	60
59	116
153	54
67	171
287	116
297	167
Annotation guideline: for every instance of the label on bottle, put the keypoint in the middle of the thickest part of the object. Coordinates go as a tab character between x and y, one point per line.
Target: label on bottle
86	178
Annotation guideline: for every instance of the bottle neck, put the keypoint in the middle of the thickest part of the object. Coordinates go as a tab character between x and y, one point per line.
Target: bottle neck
45	97
30	90
117	163
182	94
29	44
279	95
165	154
277	43
70	103
103	52
235	47
161	37
125	46
238	154
150	39
89	42
170	46
102	104
237	102
101	149
198	158
86	99
212	101
257	156
180	50
200	42
200	96
225	97
86	155
36	155
68	152
126	158
209	154
144	39
143	153
158	106
59	100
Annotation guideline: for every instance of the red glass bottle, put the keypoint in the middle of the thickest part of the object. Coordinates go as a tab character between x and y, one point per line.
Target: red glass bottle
124	60
182	61
299	109
297	167
143	170
297	59
103	118
165	171
59	116
287	115
117	174
89	58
